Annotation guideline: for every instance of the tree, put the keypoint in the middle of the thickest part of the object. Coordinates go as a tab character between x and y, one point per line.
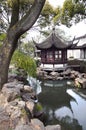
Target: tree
72	12
67	12
17	27
46	15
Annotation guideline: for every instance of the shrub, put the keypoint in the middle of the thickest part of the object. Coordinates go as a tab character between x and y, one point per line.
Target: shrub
23	61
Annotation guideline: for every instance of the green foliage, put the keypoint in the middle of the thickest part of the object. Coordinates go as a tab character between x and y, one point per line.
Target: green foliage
67	12
23	112
10	129
2	37
77	1
57	15
46	15
38	108
22	61
79	9
73	9
47	10
68	8
28	48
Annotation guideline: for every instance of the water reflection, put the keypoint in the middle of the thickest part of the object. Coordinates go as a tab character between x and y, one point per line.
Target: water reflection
63	105
78	107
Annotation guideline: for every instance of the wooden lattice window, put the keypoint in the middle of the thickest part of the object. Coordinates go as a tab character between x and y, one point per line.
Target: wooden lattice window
58	55
49	56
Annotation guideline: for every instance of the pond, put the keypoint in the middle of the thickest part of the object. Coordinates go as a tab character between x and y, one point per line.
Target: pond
63	104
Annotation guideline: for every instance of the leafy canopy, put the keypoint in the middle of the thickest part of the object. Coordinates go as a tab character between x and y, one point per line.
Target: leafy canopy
73	11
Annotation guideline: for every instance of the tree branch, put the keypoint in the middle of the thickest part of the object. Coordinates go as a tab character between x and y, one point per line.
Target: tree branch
30	18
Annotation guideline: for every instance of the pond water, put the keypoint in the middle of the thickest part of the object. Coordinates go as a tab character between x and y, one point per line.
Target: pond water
63	104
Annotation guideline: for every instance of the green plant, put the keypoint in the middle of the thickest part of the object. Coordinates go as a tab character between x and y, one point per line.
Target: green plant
38	108
23	112
10	129
25	62
2	37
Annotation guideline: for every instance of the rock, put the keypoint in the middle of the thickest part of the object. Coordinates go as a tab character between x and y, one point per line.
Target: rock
11	90
53	73
11	94
13	111
34	125
16	113
47	77
20	86
3	100
83	75
28	88
23	127
28	96
80	82
21	104
72	76
37	124
13	103
4	119
59	78
53	127
12	77
17	103
66	72
41	73
76	73
30	106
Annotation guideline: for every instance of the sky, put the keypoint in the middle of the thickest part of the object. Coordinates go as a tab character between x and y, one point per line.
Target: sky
76	30
56	3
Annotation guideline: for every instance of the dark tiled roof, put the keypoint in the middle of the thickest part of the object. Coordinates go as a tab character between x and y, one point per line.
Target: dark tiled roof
81	37
80	40
54	40
84	45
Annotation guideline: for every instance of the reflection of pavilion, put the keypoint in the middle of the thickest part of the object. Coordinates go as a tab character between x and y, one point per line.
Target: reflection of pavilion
52	90
57	104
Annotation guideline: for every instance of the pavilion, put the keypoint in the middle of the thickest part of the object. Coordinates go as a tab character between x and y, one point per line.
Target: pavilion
53	51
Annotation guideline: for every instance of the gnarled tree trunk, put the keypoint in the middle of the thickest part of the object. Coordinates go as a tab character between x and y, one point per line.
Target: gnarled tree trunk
16	29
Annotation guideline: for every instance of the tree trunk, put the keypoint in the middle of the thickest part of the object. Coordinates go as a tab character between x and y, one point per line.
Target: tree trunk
16	29
7	51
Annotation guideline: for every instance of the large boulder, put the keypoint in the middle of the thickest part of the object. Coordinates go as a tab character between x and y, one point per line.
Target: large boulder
12	90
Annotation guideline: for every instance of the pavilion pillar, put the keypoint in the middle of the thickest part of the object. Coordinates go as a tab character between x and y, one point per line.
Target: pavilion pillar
53	67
